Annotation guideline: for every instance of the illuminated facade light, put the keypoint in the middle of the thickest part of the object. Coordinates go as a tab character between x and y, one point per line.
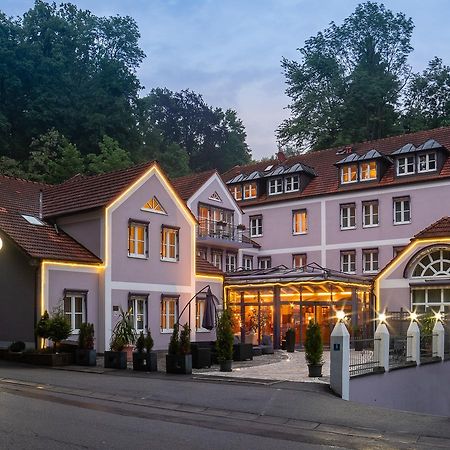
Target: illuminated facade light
438	316
1	243
340	315
413	316
382	317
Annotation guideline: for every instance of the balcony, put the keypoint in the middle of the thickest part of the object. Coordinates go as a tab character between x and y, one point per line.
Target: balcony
223	234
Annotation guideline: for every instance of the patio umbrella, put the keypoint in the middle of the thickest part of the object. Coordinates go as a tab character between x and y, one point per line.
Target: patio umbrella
209	316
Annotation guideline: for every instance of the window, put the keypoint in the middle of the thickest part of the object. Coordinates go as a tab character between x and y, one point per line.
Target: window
199	313
236	191
32	220
370	214
299	221
169	244
217	259
137	307
370	261
153	205
256	228
230	262
348	219
348	261
292	183
427	299
433	264
75	309
249	190
397	250
276	186
368	171
299	260
202	253
406	165
137	240
215	222
427	162
248	262
402	210
264	262
349	174
169	313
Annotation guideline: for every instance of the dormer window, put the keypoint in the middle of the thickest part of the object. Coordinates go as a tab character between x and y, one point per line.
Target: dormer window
292	183
275	186
349	174
249	190
427	162
406	165
236	192
368	171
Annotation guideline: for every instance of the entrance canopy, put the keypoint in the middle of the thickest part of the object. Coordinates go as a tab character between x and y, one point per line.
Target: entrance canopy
270	301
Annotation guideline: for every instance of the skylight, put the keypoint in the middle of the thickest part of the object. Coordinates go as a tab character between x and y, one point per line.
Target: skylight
268	168
33	220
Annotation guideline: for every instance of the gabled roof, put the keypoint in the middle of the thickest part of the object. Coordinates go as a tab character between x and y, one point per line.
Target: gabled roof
188	185
327	180
87	192
205	267
18	197
441	228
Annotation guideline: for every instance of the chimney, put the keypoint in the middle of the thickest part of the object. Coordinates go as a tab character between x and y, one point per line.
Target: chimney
41	200
281	156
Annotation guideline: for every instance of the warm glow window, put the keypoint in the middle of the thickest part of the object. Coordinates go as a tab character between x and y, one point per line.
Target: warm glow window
249	190
348	216
349	173
75	309
199	313
368	170
299	221
169	313
137	305
153	205
298	260
236	191
169	244
137	240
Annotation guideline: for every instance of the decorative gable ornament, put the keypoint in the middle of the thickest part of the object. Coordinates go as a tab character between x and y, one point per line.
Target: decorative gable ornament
153	205
216	197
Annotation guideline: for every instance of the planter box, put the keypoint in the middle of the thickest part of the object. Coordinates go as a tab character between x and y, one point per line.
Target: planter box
290	342
181	364
47	359
315	370
85	357
115	360
226	366
145	362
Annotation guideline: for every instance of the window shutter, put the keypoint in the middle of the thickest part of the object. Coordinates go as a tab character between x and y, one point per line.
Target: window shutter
147	241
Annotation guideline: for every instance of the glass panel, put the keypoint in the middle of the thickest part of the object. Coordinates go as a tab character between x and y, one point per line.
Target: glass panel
434	296
418	296
67	305
140	233
78	304
140	248
78	321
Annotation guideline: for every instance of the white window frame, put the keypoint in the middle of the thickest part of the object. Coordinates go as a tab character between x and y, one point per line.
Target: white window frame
230	262
275	186
348	261
299	221
303	260
348	170
401	202
200	304
346	216
265	261
292	183
406	162
256	226
133	302
216	258
169	252
165	315
247	262
236	192
248	190
427	161
370	261
365	169
135	240
71	315
370	214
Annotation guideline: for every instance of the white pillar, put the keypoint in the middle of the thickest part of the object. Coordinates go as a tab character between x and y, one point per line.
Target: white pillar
413	343
381	346
438	339
340	361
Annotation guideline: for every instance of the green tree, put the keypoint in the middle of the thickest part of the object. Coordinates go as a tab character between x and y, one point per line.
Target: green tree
427	100
111	157
349	79
11	167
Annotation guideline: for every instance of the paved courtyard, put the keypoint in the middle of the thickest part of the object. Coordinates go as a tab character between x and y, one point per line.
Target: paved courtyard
282	366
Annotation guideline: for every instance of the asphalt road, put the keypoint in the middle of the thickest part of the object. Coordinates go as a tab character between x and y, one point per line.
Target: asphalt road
48	408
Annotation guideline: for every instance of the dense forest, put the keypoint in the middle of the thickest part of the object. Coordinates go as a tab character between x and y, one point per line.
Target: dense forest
70	102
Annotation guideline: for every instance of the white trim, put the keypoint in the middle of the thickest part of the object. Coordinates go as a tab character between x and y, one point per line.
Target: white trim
395	283
168	289
72	268
323	234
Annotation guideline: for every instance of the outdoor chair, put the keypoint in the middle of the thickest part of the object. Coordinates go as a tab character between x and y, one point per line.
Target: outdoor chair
242	352
267	345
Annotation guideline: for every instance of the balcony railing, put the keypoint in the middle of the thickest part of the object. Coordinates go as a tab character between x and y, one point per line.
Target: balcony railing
222	230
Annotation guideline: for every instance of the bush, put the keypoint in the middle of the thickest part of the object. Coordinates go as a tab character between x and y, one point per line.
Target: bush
174	344
313	344
86	336
225	337
59	327
17	347
148	342
42	326
185	340
140	343
123	332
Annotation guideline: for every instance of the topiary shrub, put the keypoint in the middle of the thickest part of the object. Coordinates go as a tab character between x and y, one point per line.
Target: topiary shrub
86	336
174	344
59	327
313	344
140	343
185	340
148	341
225	337
42	326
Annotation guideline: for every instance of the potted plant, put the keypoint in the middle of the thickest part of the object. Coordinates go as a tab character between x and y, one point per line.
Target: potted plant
42	329
145	361
314	349
224	342
122	336
58	328
179	358
290	340
85	355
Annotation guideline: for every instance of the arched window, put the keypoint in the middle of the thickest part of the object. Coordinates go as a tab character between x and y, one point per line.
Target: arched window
435	263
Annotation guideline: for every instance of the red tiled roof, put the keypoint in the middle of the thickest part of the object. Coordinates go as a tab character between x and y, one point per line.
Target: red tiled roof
187	186
441	228
323	162
87	192
203	266
19	197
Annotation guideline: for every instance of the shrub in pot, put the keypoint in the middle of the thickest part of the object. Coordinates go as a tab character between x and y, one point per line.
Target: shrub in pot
290	340
59	328
85	355
179	358
224	342
41	330
145	361
314	349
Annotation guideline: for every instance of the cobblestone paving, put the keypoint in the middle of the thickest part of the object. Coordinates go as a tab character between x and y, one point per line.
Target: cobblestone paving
281	366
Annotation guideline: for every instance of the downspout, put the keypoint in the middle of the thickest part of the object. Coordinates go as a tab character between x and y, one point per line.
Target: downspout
36	299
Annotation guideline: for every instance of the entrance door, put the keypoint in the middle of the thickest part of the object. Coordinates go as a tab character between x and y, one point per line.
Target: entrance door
320	314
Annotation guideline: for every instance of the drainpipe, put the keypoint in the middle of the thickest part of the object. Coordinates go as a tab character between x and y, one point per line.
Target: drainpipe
41	201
